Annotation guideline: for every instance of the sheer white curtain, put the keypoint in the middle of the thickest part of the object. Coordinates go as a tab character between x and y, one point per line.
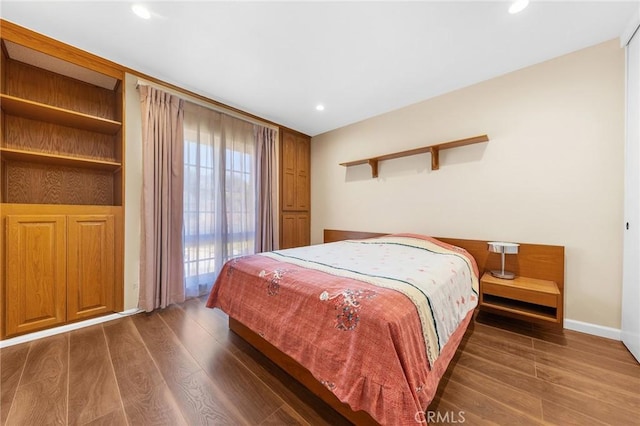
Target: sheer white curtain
219	194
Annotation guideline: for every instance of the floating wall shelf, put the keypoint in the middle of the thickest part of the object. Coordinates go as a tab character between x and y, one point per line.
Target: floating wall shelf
433	149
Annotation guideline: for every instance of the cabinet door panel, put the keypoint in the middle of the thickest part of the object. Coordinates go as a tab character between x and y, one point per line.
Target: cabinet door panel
36	272
303	230
295	230
289	231
90	273
302	174
288	171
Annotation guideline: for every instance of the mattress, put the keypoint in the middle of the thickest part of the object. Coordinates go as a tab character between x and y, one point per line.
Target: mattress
376	321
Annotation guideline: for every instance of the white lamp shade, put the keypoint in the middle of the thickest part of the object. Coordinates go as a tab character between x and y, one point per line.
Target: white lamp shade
502	247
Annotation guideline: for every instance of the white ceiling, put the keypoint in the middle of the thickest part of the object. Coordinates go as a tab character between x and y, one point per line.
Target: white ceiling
278	60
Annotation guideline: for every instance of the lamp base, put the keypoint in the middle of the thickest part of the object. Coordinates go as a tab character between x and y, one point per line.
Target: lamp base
504	275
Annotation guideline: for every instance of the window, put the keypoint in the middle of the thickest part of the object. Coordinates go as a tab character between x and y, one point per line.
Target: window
219	194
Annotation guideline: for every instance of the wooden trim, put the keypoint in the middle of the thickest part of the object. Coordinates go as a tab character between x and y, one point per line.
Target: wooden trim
119	175
42	43
300	373
65	209
333	235
118	289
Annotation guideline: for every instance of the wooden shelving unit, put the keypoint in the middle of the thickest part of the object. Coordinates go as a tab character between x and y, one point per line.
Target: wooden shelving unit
434	150
61	183
62	131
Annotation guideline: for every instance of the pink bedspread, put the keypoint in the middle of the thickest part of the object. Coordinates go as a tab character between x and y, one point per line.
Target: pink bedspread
363	342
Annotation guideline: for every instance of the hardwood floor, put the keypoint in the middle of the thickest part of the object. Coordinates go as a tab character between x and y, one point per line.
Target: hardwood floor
182	366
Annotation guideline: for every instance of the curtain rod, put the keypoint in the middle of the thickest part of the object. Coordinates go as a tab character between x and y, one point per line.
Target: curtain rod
200	102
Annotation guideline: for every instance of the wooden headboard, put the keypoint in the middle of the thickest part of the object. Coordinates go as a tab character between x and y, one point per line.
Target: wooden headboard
544	262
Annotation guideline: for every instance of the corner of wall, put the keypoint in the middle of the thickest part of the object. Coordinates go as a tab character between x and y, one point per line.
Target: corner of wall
133	189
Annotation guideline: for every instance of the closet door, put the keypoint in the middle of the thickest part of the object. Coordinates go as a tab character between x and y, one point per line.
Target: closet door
295	195
631	260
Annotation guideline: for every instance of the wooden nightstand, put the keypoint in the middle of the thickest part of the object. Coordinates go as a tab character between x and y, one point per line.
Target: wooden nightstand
525	298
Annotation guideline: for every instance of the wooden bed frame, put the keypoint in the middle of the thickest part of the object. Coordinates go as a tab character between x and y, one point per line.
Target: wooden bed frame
533	260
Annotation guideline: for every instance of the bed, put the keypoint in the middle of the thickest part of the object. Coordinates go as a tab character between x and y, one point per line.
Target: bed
533	260
373	322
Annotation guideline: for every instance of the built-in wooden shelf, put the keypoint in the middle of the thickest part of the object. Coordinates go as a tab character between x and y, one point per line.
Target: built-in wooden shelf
59	160
51	114
433	149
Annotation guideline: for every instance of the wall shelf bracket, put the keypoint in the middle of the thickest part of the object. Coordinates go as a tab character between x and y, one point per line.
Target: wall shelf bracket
435	157
373	162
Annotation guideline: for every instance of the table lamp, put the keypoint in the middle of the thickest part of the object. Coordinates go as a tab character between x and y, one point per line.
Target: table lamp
503	248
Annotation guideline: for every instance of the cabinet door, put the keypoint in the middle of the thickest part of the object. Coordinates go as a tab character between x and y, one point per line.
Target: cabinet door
288	229
302	174
288	171
295	230
36	272
303	229
90	267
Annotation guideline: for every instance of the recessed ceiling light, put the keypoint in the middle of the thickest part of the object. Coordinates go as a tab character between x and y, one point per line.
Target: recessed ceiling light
141	11
320	107
518	6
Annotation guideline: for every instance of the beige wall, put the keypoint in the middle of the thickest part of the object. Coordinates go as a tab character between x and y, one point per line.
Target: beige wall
133	188
552	172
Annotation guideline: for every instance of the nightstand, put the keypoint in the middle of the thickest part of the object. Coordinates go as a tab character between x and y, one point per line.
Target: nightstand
525	298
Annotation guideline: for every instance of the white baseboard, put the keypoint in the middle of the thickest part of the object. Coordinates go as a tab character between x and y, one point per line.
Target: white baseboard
596	330
65	328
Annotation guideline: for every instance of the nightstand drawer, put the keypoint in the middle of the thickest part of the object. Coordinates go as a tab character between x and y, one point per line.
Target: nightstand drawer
521	294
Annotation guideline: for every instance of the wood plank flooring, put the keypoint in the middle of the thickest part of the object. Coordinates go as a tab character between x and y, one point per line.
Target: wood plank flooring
182	366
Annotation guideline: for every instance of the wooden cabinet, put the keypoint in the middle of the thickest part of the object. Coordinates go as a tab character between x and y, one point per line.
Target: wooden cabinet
294	189
59	268
525	298
61	156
